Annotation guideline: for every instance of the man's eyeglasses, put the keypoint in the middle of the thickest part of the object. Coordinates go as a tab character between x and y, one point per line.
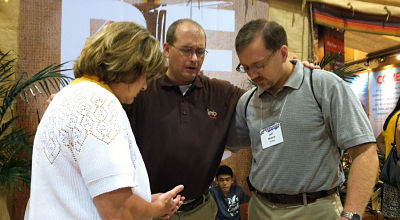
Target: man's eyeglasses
188	51
257	66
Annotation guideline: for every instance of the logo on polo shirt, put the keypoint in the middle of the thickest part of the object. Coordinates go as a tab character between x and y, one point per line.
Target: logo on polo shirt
212	114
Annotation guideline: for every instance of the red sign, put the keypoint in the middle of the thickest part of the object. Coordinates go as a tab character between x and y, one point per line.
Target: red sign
334	45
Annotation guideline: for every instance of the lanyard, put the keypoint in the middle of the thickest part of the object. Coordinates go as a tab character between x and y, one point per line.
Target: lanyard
283	106
280	114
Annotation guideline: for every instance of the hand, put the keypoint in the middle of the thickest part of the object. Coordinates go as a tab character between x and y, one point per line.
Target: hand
307	64
168	202
155	196
310	65
49	100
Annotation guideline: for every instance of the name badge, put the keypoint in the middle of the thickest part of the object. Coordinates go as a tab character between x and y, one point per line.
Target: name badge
271	135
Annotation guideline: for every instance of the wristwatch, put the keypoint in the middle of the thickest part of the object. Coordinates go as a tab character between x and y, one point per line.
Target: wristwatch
351	215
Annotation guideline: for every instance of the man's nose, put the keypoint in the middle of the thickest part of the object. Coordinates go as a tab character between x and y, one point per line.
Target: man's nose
193	56
252	73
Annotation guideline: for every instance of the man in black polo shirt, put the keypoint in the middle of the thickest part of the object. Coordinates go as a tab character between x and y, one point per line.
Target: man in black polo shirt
181	122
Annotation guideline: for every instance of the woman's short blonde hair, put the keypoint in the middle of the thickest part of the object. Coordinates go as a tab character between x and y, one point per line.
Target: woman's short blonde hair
121	52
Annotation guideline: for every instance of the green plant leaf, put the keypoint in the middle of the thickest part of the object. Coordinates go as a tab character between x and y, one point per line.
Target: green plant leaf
347	73
14	142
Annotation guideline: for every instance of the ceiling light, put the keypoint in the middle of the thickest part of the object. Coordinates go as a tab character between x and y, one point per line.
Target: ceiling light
398	57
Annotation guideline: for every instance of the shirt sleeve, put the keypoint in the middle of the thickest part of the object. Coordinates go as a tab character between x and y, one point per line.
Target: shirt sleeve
212	192
343	113
242	196
238	135
105	160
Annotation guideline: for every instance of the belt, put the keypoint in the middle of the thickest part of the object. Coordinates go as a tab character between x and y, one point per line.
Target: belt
194	202
298	199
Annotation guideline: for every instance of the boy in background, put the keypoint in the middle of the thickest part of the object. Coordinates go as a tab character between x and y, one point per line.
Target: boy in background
228	197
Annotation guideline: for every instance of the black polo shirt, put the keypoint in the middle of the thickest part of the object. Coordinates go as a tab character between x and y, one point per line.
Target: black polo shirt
182	138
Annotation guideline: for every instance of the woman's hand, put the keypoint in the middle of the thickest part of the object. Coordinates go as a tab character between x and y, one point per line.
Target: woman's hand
168	203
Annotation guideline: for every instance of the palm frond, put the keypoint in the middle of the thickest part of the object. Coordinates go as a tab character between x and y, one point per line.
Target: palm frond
347	73
14	142
18	139
6	63
46	75
329	59
5	125
14	174
14	171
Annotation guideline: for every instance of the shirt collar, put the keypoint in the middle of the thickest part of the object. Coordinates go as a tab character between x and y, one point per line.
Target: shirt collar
94	79
167	82
295	80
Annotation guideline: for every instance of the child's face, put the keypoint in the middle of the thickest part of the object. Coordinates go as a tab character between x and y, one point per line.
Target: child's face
225	182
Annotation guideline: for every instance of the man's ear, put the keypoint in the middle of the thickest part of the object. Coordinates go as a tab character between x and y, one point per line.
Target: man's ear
166	49
284	53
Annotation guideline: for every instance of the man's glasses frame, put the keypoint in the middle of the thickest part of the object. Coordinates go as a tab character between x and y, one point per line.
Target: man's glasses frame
257	66
188	51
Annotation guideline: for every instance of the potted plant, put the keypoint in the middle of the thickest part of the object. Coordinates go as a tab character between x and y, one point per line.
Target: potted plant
15	170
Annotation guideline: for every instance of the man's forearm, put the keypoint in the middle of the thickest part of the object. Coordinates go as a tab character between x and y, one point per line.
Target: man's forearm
362	177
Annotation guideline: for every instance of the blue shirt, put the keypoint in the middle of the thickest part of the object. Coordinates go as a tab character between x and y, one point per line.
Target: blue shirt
228	206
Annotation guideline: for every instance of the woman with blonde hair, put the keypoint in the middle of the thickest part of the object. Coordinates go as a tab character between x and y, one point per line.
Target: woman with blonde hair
85	163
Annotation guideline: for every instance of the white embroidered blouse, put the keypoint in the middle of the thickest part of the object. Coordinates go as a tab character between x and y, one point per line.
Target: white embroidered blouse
83	147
